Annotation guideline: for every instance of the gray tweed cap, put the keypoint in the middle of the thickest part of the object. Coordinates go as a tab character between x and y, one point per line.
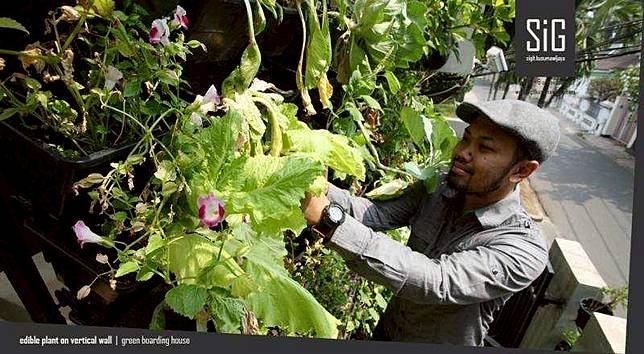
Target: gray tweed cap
536	127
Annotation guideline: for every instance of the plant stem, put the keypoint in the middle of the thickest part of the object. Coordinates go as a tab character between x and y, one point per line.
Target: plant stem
249	17
374	153
45	58
276	133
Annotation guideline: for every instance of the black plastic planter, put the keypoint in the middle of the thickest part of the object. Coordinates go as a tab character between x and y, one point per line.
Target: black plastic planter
41	206
586	307
44	177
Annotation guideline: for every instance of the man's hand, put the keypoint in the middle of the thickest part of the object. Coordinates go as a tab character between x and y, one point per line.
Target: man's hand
313	206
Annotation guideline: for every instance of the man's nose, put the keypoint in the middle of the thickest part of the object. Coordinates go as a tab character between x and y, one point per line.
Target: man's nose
463	152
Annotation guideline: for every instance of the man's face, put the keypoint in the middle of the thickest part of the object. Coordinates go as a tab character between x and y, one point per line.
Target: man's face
483	159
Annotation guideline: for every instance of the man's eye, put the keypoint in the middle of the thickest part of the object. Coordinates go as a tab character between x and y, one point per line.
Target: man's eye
486	148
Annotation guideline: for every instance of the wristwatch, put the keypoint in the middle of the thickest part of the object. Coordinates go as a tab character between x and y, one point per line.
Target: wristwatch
332	216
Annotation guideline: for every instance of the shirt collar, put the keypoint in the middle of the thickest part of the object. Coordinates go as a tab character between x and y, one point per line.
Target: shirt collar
494	214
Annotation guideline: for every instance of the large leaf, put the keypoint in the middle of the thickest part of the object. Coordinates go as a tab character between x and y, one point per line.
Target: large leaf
217	143
443	137
264	186
416	126
390	32
194	259
332	149
186	299
282	301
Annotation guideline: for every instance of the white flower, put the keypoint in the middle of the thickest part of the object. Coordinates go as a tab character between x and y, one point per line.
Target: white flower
180	17
196	119
160	32
209	101
112	76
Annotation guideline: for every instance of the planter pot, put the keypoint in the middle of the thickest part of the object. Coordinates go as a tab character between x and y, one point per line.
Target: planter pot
45	178
36	189
586	307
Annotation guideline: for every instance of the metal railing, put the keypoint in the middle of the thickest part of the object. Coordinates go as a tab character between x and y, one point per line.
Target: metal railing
510	324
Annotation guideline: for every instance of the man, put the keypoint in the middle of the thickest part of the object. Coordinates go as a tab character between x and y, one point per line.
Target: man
471	246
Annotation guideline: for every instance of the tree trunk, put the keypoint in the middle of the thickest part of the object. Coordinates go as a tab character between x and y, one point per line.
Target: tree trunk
544	92
496	87
506	89
489	93
557	93
526	87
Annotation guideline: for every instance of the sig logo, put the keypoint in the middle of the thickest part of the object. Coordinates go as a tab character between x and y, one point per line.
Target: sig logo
547	35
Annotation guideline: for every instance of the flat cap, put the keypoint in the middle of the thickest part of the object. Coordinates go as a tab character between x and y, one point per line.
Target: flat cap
536	127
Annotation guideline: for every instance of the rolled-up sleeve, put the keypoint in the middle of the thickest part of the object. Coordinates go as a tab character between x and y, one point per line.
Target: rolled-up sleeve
381	215
507	264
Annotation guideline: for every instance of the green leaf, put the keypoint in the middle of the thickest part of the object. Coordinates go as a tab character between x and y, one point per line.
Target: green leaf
194	258
388	190
126	268
371	102
240	79
8	113
333	150
6	22
443	137
259	18
154	243
282	301
104	7
212	147
262	186
186	299
132	87
196	44
166	171
227	313
392	81
414	122
381	301
145	273
318	49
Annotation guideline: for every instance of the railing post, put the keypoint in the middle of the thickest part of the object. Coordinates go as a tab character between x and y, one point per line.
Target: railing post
575	278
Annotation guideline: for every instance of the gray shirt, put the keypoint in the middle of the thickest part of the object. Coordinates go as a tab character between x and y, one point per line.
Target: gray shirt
455	271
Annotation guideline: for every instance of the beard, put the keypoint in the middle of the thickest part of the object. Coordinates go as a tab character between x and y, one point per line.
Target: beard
489	184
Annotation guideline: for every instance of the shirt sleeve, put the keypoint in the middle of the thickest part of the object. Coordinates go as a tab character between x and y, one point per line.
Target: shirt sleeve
381	215
508	264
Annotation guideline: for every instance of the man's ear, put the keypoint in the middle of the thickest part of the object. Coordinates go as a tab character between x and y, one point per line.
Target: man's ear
524	170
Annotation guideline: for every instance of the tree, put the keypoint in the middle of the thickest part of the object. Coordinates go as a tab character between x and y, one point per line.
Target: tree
604	88
600	25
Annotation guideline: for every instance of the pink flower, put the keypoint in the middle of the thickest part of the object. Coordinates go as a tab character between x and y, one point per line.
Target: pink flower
160	32
211	210
212	96
208	102
84	234
180	17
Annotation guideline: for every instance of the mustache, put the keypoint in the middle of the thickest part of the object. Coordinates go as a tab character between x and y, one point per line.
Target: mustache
462	165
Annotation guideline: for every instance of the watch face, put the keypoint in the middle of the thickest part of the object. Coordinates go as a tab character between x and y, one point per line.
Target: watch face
335	214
